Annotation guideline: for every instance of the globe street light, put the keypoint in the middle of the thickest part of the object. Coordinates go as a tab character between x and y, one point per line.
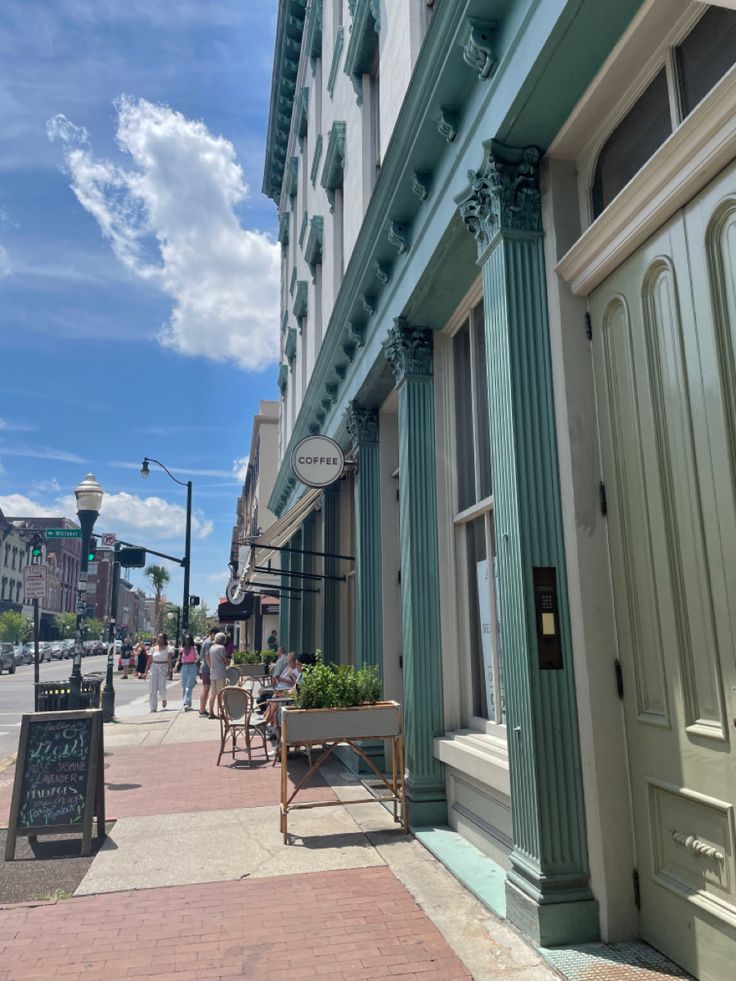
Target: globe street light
186	563
89	496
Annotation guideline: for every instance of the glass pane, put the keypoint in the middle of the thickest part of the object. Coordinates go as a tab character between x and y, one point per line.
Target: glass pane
465	459
481	409
481	630
706	54
642	131
497	635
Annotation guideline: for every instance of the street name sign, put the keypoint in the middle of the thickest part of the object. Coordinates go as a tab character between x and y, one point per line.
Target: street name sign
63	532
35	581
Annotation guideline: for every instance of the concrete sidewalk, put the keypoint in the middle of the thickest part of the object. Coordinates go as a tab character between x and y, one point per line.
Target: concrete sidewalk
194	880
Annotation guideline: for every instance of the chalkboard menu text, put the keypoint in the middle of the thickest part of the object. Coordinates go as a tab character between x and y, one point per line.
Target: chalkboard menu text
58	784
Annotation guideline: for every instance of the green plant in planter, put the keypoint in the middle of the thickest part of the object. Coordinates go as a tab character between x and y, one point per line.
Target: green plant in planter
250	657
338	686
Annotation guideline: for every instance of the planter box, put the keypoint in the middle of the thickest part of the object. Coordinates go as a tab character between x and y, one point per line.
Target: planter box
379	721
252	670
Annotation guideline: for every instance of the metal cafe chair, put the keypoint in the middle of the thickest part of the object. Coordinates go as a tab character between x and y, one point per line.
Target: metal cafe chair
236	708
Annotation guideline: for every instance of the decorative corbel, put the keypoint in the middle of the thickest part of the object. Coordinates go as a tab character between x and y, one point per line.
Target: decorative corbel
478	50
421	184
398	236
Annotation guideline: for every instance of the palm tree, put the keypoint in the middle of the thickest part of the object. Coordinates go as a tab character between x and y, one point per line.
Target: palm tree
158	577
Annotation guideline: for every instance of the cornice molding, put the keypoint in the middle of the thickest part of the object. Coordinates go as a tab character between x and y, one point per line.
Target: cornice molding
284	217
398	236
362	44
313	31
336	53
361	424
301	299
503	194
290	346
283	378
421	184
409	350
317	156
301	112
447	123
313	246
334	166
289	30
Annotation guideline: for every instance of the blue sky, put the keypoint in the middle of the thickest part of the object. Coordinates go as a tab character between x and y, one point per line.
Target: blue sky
138	263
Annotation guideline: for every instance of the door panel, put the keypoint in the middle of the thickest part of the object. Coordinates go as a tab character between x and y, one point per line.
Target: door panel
663	348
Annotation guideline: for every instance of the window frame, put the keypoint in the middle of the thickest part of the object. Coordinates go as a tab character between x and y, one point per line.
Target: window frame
455	536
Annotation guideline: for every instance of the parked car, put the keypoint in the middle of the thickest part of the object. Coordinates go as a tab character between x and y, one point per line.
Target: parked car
18	654
67	648
7	658
56	651
28	653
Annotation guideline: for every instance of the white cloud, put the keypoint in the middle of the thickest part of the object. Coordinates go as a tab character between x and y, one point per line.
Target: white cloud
5	269
188	472
171	221
47	486
16	427
240	468
151	516
42	454
20	506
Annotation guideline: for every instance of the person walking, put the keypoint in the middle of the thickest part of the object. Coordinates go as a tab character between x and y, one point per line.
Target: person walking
204	672
126	653
217	661
158	669
188	667
140	668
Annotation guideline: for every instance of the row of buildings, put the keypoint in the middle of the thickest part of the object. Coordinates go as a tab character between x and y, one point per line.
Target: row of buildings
62	557
508	237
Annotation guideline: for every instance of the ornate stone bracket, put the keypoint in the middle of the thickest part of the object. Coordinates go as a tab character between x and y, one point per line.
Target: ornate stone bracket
283	379
361	424
332	172
502	194
408	349
447	123
421	184
368	303
478	50
383	271
362	43
398	236
290	346
313	246
355	333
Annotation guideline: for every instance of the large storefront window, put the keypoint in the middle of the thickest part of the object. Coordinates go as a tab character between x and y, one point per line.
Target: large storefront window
473	520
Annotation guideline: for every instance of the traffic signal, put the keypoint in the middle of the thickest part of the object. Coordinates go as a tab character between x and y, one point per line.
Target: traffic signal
194	601
92	551
132	558
36	547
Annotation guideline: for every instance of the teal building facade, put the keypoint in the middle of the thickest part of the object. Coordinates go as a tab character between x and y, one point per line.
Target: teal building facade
456	183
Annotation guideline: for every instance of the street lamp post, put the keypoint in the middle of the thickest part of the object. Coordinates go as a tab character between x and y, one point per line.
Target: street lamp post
89	496
108	692
186	563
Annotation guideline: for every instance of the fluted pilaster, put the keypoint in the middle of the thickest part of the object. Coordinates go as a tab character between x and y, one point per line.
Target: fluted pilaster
296	601
284	604
362	425
409	351
330	588
548	893
309	532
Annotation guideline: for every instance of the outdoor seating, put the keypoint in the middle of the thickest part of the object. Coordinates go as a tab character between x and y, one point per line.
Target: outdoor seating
236	709
233	676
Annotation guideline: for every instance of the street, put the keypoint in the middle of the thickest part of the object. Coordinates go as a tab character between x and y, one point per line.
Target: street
16	694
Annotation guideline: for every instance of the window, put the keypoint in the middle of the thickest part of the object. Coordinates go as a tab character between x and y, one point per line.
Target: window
643	130
693	65
374	97
705	55
473	520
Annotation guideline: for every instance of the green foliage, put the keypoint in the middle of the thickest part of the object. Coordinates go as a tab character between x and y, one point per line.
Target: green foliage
252	657
66	624
198	625
338	686
93	628
14	627
143	635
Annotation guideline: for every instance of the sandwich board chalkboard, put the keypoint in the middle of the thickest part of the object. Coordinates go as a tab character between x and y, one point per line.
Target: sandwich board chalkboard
58	785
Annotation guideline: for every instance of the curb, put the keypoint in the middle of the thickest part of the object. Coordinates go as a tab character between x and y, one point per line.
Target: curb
8	761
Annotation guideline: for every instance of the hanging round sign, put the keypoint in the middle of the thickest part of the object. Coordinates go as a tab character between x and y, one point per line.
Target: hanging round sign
234	592
317	461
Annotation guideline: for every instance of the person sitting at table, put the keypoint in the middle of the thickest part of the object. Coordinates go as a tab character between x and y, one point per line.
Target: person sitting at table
275	671
283	683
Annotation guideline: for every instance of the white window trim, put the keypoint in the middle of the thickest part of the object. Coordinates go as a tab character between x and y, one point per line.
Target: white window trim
699	148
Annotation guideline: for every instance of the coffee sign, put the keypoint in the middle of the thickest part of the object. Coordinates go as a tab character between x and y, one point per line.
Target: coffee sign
317	461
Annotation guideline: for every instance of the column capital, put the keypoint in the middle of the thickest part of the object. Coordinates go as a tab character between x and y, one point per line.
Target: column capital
503	194
362	424
408	349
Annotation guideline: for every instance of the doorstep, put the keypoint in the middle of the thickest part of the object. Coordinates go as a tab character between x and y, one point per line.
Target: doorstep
472	867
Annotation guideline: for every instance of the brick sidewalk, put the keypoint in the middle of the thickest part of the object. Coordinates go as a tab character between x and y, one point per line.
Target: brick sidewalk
177	778
343	926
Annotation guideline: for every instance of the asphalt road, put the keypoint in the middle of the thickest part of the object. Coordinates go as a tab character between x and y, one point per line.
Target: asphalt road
16	694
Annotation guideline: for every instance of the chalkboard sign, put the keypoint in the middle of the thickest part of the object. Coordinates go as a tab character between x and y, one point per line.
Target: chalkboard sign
58	784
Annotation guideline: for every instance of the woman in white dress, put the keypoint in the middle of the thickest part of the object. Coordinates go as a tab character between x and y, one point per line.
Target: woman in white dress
158	670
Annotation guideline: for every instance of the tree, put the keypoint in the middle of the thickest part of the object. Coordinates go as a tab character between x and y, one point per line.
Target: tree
93	628
66	624
158	577
14	627
198	621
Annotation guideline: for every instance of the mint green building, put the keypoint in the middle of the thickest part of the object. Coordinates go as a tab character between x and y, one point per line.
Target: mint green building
508	292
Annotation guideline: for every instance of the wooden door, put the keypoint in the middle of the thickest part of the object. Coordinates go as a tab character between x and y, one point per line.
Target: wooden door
664	341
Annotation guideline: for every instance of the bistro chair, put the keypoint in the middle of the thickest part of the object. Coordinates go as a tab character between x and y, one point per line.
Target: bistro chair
236	709
233	675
